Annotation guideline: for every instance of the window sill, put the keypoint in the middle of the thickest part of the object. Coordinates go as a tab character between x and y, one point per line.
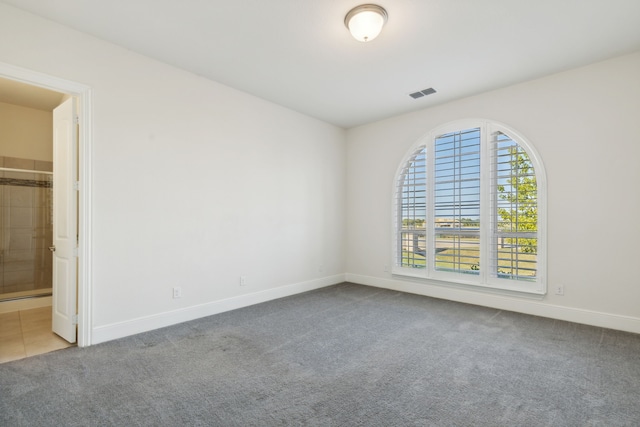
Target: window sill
503	289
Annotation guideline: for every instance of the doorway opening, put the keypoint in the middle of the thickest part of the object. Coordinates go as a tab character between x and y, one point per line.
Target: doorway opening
30	215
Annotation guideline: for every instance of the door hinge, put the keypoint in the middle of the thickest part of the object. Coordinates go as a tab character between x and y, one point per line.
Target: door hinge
74	319
77	120
76	185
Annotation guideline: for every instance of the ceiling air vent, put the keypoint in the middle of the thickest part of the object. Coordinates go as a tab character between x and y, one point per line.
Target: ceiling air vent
420	94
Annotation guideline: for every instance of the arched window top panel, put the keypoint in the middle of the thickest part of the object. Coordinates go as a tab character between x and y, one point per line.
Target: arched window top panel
469	208
536	160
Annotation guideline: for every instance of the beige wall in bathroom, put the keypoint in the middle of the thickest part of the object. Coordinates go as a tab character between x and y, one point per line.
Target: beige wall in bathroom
26	133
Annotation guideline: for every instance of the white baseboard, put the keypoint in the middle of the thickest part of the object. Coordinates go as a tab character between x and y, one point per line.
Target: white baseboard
520	305
148	323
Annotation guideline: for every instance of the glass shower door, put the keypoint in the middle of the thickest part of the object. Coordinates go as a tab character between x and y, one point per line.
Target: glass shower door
25	233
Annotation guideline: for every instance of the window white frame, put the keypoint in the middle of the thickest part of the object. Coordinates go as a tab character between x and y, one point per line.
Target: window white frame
486	279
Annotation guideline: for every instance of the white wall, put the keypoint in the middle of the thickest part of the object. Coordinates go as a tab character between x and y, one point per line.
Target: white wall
585	124
194	184
26	133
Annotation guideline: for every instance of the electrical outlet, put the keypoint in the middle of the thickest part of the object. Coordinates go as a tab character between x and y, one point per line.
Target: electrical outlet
243	280
177	292
321	268
559	289
386	268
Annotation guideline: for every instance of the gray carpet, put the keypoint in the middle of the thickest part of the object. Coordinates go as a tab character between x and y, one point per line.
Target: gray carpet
347	355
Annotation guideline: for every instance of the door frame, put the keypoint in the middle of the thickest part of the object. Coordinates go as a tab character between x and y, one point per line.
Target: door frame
84	95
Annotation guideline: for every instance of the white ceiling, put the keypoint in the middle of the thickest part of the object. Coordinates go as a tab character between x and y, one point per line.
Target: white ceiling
299	54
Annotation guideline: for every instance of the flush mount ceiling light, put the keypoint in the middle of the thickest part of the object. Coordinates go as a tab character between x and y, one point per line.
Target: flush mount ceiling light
365	21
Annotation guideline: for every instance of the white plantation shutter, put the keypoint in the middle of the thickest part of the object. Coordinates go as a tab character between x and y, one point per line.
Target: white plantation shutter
411	227
514	195
469	208
457	201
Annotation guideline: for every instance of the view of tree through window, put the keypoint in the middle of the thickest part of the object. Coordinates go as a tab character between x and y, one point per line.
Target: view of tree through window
445	224
515	236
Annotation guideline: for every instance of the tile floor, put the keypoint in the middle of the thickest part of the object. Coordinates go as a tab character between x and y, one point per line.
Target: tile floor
27	333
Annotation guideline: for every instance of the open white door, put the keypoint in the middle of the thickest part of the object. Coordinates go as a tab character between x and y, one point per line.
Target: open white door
65	208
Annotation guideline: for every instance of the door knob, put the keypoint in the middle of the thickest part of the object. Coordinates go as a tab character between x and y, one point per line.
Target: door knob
52	248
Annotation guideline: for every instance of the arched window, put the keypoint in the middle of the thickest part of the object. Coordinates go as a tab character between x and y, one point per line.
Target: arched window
469	208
